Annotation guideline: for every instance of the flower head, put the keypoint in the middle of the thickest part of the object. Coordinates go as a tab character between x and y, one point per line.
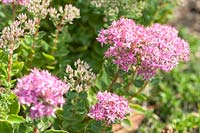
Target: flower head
11	34
122	36
109	108
20	2
81	78
163	49
64	15
42	92
39	8
150	48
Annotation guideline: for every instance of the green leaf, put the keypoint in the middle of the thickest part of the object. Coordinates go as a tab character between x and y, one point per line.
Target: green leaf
95	126
15	119
50	67
48	57
138	83
55	131
25	128
14	107
105	77
75	111
5	127
100	84
141	97
126	123
18	65
41	34
137	108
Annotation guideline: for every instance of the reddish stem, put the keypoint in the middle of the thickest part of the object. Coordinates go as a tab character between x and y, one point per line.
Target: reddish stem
36	33
59	27
10	63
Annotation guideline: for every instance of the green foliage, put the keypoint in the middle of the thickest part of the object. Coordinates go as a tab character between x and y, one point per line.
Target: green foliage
75	111
5	127
15	119
55	131
173	99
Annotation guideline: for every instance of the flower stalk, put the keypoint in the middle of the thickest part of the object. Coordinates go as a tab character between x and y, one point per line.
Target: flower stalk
140	90
113	81
10	61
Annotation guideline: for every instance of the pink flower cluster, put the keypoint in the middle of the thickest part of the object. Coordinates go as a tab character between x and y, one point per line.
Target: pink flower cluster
110	107
150	48
42	92
20	2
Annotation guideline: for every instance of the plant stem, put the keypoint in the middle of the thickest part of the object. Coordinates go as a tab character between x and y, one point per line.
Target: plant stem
10	63
13	11
58	29
140	90
34	39
132	79
36	33
56	36
113	81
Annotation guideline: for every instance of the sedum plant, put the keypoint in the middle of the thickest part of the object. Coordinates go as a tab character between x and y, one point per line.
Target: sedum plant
38	96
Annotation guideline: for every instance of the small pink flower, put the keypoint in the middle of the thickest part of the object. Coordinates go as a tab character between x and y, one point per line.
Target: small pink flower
109	108
42	92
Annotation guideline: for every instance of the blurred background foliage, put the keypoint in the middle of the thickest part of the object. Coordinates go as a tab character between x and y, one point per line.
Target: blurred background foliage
172	100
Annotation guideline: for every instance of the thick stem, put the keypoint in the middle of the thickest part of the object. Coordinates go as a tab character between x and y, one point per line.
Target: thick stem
113	81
